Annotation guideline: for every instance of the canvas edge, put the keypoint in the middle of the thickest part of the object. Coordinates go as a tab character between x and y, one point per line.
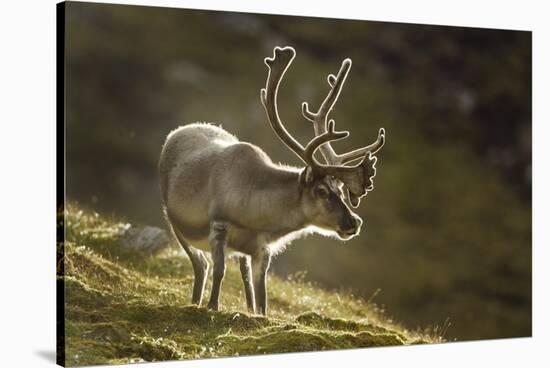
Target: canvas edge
60	182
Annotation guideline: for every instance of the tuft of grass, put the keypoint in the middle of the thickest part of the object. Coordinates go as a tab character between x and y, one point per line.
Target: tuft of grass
122	307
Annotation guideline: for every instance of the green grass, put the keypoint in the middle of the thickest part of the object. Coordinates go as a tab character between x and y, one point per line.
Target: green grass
122	307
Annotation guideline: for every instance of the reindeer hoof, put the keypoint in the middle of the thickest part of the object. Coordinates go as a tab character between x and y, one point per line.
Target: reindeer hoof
213	306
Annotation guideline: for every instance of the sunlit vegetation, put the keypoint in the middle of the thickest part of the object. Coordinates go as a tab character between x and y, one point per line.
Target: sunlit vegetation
122	306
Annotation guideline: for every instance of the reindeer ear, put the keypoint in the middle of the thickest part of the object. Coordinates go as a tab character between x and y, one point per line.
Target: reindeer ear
353	199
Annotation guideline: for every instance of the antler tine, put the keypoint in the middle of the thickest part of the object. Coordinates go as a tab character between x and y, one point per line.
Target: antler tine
319	119
360	152
318	141
278	64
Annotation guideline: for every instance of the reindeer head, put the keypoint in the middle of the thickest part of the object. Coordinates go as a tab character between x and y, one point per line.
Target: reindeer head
356	179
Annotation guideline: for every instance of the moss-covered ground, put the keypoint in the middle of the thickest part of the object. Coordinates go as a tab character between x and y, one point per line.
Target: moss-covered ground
122	306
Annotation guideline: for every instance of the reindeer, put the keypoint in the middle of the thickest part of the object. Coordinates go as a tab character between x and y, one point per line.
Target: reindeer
223	195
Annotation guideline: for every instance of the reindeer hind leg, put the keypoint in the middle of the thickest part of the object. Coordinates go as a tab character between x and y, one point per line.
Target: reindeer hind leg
199	263
218	239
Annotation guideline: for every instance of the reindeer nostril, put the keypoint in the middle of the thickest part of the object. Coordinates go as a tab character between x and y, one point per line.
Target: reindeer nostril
350	224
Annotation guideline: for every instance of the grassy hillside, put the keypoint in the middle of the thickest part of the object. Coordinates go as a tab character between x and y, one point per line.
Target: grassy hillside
122	306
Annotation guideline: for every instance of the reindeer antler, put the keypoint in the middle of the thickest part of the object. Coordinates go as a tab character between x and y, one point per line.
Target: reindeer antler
319	120
358	178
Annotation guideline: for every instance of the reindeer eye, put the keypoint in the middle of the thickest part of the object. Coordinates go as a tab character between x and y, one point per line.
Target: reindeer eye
321	192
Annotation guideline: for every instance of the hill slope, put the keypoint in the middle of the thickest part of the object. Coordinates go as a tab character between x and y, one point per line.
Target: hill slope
122	306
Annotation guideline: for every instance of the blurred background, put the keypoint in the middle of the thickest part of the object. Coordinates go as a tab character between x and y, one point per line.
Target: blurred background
447	231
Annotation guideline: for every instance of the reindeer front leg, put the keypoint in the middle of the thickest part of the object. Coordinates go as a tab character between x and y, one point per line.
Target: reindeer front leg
218	241
246	274
260	264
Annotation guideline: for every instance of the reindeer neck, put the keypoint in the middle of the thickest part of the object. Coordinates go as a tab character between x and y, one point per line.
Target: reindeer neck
280	202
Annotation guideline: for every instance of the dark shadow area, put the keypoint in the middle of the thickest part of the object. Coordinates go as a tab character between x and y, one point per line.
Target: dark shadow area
47	355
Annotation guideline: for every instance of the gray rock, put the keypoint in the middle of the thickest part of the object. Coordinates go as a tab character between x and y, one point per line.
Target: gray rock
146	239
